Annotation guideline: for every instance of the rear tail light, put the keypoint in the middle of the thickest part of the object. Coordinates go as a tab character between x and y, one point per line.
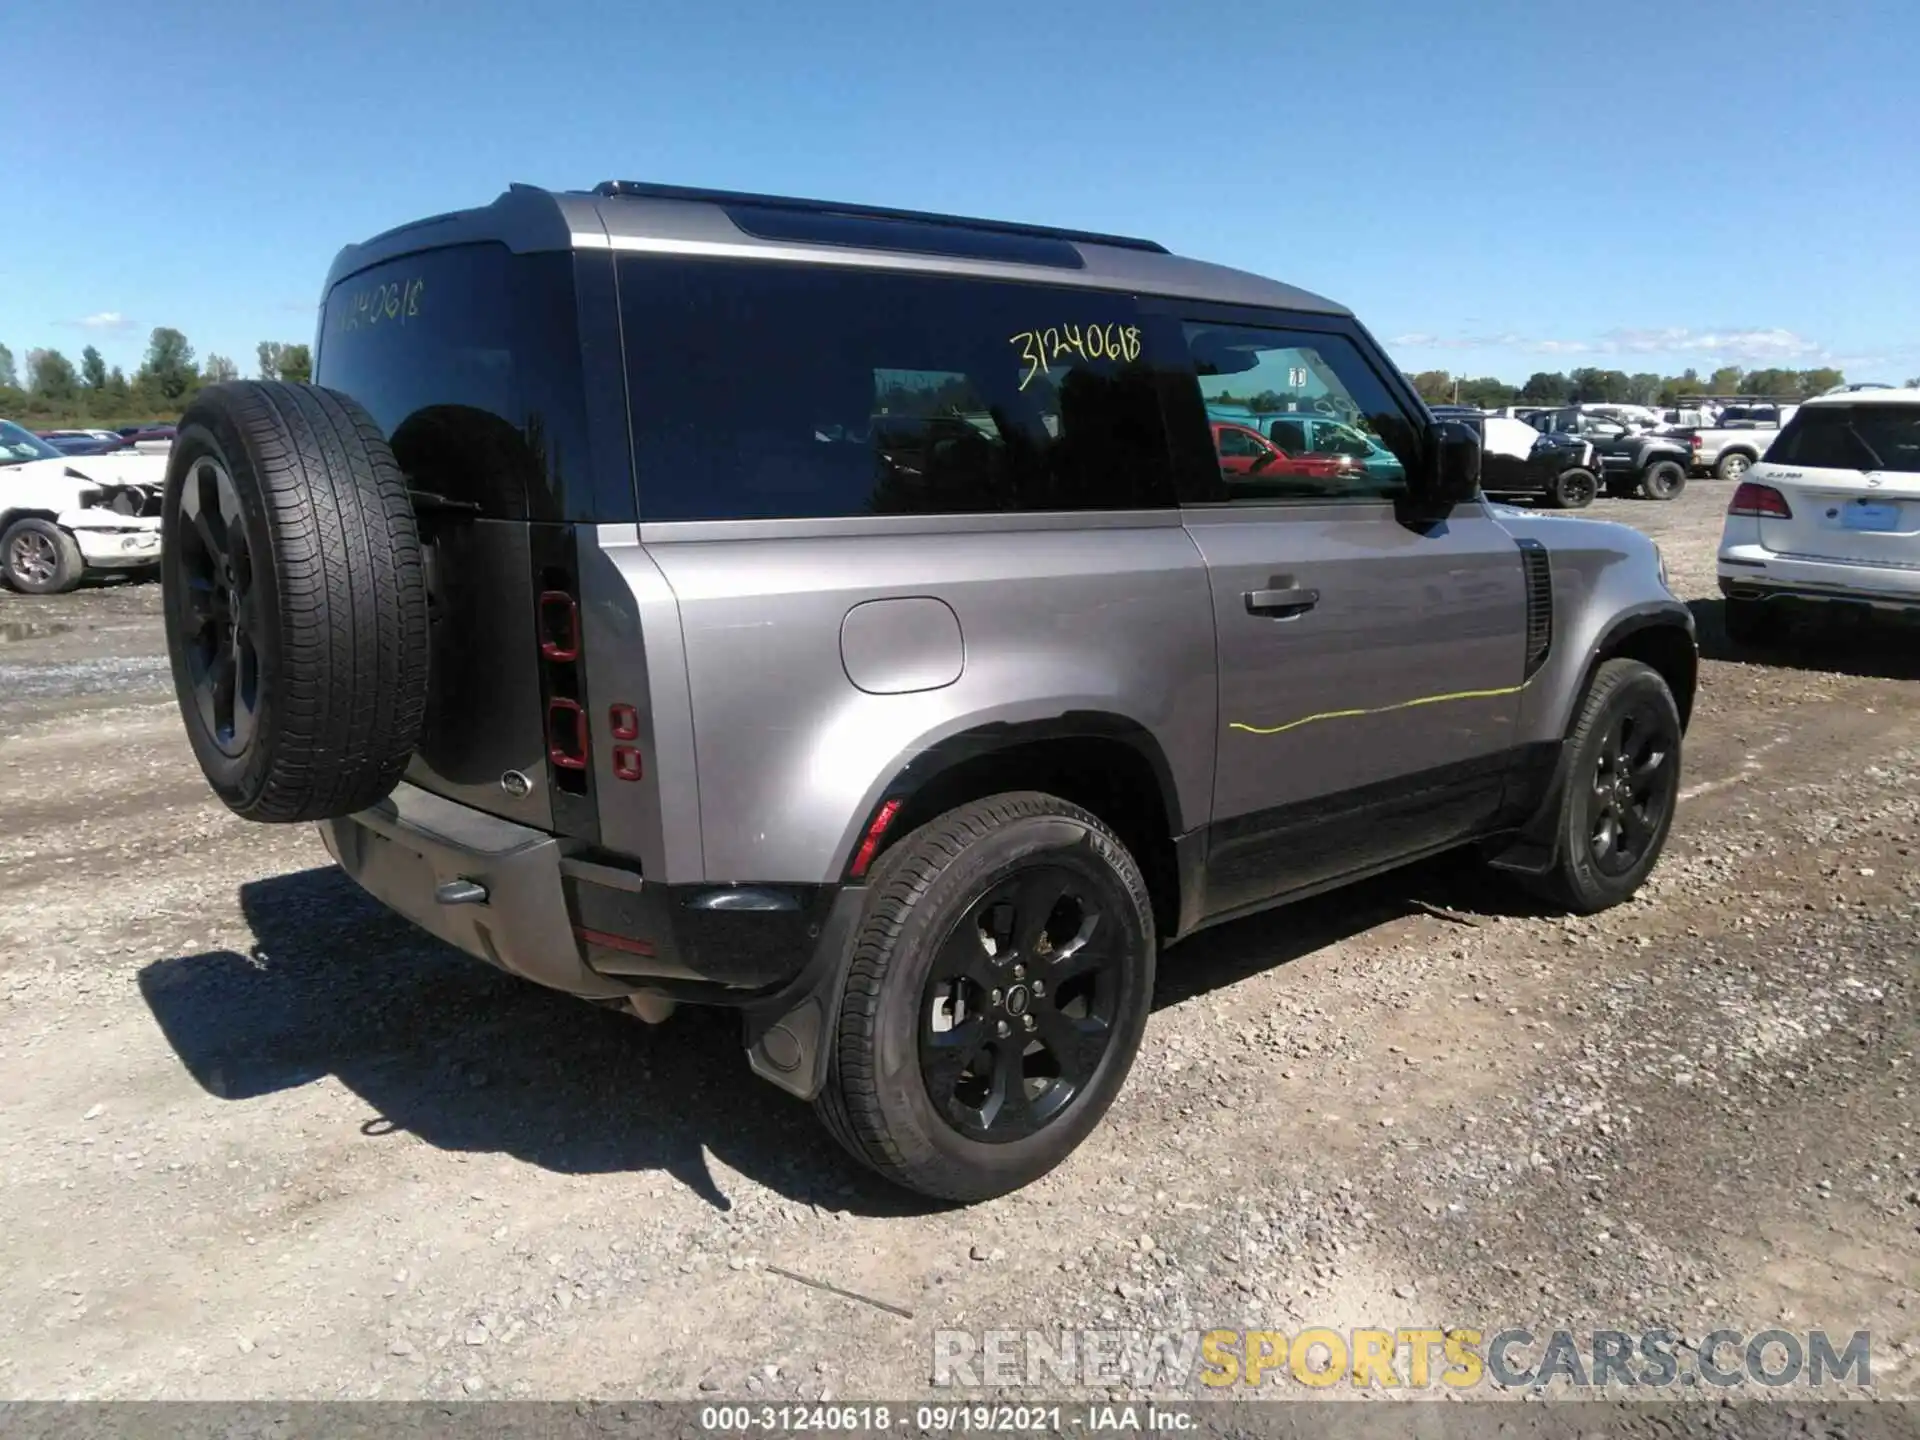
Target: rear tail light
559	626
870	845
1693	441
567	734
1760	500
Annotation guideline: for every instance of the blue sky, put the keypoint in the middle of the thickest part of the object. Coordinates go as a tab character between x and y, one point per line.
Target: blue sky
1496	186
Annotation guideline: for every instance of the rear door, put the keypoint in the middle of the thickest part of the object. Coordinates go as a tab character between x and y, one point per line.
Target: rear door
1851	477
468	359
1370	665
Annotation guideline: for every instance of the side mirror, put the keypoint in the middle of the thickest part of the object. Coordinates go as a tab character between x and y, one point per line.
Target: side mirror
1453	463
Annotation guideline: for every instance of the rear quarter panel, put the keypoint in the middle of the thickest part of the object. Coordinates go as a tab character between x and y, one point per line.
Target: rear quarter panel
793	757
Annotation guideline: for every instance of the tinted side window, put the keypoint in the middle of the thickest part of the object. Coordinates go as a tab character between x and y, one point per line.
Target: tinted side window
773	391
468	359
1322	376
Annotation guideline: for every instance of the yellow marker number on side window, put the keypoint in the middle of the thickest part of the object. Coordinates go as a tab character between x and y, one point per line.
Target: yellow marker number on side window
1040	348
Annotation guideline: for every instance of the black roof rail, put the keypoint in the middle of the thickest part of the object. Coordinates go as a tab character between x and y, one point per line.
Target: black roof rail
648	190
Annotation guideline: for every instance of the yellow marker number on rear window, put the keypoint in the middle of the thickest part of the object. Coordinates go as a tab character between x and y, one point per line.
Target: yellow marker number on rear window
393	303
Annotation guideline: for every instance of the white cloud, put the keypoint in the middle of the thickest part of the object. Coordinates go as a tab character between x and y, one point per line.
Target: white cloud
1749	347
104	320
1731	345
1529	344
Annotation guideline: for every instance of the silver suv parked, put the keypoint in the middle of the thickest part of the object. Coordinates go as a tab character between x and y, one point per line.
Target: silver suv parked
843	615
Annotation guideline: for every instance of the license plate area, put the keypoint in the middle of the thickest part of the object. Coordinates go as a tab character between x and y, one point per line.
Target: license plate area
1874	517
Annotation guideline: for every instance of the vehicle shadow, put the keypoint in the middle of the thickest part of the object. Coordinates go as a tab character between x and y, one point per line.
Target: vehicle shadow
468	1058
1843	643
1457	889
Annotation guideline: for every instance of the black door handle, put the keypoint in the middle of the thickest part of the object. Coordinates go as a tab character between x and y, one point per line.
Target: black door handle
1282	604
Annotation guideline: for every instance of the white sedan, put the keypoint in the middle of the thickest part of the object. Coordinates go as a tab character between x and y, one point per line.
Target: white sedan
65	516
1830	514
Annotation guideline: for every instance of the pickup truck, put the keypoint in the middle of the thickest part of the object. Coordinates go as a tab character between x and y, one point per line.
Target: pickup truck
1741	437
1631	460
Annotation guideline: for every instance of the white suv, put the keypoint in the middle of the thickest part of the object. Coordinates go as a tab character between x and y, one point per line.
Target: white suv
1830	513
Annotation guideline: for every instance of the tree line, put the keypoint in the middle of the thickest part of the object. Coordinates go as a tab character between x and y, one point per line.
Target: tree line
50	391
1619	388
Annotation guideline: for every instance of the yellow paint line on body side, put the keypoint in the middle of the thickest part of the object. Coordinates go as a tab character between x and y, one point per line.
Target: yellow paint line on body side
1378	710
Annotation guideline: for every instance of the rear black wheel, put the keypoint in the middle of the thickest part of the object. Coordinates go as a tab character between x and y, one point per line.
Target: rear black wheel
1573	489
998	992
1664	480
1732	467
1621	789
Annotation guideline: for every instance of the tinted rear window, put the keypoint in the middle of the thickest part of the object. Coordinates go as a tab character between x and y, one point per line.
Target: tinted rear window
788	392
1851	437
468	358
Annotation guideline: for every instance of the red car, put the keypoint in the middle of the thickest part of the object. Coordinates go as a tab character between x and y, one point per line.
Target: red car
1245	452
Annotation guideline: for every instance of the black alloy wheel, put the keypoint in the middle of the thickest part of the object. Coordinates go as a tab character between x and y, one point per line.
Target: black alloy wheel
998	989
1019	1005
1620	792
1634	781
214	566
1575	489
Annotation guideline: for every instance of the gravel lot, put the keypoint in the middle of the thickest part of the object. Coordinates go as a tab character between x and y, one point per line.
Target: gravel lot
264	1140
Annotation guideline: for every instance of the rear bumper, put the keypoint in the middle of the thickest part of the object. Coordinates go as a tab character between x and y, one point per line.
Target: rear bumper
601	932
588	926
403	850
1751	572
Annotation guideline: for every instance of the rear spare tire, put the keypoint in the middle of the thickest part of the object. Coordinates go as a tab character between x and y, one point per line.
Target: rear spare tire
295	600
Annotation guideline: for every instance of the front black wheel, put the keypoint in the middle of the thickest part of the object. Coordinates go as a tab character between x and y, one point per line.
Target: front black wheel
1622	787
999	988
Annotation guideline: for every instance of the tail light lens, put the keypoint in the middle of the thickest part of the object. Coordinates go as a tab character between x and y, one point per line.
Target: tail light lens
1759	500
1693	442
559	626
567	734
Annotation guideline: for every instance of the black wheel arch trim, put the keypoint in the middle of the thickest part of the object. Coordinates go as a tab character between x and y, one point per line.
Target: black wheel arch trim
912	774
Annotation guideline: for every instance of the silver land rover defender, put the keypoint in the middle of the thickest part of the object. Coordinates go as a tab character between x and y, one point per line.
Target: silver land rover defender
850	616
